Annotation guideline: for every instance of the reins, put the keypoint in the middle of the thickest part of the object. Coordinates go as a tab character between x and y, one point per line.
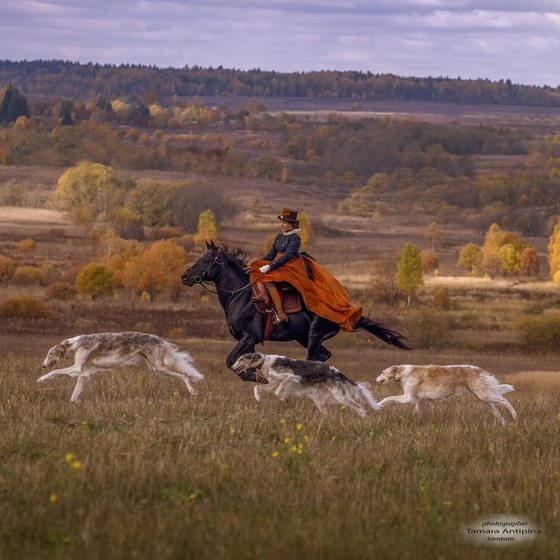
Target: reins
234	293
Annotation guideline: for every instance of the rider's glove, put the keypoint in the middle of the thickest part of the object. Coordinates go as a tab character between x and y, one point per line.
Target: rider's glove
264	269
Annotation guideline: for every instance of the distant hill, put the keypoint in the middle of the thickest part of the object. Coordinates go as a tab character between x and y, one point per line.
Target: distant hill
72	80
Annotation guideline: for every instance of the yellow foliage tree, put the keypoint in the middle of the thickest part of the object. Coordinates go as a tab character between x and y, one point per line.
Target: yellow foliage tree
554	253
501	252
305	233
434	234
207	229
84	191
94	280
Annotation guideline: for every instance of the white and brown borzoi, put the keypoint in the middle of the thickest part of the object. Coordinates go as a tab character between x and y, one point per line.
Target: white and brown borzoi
439	382
322	383
95	352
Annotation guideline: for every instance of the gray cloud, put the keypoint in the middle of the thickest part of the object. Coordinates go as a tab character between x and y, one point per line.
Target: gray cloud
472	39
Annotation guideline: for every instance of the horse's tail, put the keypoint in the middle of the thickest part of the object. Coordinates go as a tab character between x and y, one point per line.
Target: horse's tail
383	333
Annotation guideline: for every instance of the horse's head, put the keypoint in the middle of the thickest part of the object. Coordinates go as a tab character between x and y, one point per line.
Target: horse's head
206	269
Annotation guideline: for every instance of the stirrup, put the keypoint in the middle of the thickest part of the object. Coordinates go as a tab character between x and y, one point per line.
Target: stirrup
276	318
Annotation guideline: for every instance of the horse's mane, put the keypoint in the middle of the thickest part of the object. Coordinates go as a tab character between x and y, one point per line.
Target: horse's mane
235	256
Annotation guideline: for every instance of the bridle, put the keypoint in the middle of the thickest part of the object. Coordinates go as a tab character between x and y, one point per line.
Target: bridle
199	279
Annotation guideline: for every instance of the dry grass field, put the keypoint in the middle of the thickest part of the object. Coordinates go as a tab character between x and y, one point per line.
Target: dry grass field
141	469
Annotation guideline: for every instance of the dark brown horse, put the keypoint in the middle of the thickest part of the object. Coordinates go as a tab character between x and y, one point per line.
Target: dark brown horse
229	272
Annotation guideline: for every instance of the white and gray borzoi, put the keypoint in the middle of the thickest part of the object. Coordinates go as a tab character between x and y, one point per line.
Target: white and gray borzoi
439	382
322	383
101	351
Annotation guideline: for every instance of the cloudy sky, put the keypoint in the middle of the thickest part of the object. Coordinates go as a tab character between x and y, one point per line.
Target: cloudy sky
495	39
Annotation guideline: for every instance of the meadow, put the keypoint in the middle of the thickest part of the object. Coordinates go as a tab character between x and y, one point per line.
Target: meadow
142	469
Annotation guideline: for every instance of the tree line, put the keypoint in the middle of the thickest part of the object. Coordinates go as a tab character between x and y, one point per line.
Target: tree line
48	78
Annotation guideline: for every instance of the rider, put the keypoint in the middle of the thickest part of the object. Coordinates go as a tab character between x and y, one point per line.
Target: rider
322	293
284	248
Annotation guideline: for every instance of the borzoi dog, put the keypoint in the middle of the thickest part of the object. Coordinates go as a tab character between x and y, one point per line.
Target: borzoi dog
101	351
322	383
439	382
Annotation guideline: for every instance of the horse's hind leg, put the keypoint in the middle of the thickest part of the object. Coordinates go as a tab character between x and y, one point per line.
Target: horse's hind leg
320	330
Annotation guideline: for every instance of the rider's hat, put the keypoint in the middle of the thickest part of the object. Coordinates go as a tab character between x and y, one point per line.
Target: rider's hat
289	216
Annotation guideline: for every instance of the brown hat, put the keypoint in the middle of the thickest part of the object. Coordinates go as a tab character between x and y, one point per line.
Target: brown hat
289	216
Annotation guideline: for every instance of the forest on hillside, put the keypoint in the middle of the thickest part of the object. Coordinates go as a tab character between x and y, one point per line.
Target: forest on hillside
73	80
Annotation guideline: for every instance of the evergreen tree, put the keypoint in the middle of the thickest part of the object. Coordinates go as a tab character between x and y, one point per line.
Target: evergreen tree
13	105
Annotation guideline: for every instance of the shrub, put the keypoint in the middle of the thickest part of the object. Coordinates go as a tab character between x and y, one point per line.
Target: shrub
26	307
7	267
540	333
27	275
95	280
430	260
50	274
441	299
427	328
61	290
176	332
26	245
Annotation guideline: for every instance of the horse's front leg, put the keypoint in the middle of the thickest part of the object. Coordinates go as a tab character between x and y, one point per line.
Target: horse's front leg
245	345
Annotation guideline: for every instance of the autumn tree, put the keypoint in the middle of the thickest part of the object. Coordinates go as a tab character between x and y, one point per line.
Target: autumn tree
554	253
84	190
383	282
207	228
193	199
152	203
95	280
157	268
409	271
305	233
501	252
434	234
430	260
529	260
470	257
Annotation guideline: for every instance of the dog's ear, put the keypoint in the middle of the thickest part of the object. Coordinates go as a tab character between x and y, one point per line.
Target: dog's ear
395	372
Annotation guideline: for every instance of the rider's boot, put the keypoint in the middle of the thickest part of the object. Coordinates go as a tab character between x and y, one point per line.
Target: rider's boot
276	301
261	296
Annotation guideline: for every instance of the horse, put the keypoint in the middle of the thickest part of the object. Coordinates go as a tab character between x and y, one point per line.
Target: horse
229	272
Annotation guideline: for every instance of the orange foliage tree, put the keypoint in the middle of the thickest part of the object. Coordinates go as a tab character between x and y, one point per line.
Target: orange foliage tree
157	268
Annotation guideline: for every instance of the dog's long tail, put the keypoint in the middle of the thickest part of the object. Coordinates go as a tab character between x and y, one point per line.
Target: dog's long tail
367	395
358	392
383	333
505	388
184	363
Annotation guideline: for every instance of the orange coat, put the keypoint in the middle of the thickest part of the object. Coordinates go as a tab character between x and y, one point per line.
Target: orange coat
323	294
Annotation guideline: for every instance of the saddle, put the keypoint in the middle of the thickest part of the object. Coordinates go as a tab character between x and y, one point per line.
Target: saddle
291	303
291	299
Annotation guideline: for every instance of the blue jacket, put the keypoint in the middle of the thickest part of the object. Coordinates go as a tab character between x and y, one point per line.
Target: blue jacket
288	245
